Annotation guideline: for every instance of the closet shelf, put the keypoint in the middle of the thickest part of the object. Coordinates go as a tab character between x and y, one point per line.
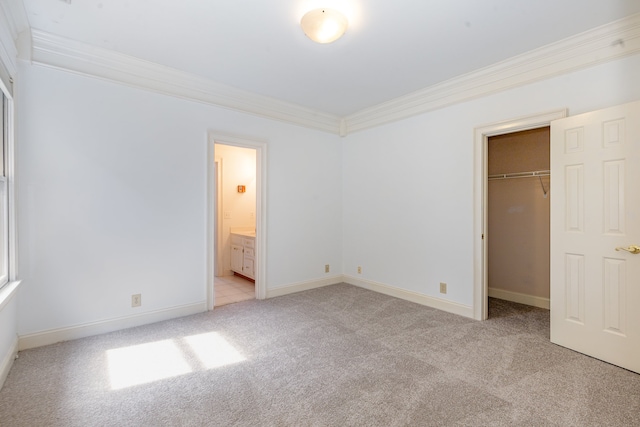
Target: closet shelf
519	175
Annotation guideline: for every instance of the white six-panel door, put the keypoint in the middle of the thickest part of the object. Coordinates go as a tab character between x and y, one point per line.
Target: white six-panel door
595	208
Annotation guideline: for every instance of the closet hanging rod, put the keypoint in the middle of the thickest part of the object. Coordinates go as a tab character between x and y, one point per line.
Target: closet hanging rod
519	175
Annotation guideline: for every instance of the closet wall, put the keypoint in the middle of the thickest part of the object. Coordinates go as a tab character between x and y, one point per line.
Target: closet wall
518	223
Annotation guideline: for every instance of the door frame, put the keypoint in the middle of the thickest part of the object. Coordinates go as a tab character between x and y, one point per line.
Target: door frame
211	208
218	268
480	201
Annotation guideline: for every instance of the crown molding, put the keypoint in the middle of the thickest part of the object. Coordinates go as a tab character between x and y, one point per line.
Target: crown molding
13	22
605	43
8	55
14	17
8	36
70	55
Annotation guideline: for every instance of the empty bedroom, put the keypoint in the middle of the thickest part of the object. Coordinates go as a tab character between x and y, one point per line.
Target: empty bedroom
320	213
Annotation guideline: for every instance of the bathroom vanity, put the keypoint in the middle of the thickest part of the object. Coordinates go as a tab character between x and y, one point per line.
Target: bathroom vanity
243	253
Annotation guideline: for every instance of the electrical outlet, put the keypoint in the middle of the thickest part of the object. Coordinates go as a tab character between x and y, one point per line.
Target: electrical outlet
136	300
326	268
443	288
359	270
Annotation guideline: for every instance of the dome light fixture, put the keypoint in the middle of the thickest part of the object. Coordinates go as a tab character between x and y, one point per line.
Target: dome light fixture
324	25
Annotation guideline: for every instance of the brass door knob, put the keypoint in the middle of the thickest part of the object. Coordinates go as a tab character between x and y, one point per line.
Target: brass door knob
634	249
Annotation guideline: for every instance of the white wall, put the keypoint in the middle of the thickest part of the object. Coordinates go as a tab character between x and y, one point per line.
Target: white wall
408	185
238	167
111	193
112	199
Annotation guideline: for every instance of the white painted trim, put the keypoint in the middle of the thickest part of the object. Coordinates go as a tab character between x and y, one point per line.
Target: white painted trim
219	214
480	204
519	298
210	225
13	22
304	286
15	16
583	50
7	292
440	304
53	336
7	362
261	209
12	201
586	49
70	55
7	62
8	49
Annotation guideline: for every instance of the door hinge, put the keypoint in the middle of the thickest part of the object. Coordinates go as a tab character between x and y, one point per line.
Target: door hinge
482	236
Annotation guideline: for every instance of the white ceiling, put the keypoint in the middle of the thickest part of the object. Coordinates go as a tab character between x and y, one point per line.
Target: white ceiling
392	47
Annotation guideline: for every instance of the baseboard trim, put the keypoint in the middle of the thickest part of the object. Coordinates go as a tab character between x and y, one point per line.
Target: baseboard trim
7	362
53	336
440	304
519	298
304	286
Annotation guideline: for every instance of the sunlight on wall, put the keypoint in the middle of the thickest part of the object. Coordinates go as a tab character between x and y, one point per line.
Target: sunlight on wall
213	350
146	363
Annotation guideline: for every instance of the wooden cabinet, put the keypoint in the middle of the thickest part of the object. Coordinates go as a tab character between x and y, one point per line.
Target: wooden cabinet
243	255
237	258
248	267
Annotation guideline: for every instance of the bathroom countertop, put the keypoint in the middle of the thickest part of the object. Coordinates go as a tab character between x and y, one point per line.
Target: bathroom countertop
245	233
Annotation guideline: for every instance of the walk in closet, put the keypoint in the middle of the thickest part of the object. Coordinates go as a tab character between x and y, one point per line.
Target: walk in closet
518	216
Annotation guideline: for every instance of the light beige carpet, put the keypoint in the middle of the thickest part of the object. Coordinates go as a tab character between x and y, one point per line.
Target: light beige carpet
334	356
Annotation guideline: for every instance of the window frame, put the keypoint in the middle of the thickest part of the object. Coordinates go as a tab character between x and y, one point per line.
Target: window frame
4	212
7	205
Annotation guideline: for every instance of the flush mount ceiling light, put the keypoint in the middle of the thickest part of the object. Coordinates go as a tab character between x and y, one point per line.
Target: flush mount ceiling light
324	25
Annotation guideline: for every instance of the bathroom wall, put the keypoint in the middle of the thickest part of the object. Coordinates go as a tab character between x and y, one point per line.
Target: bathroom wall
518	230
238	167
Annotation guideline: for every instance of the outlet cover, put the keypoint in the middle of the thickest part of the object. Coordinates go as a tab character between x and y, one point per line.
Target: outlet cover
359	270
443	288
136	300
326	268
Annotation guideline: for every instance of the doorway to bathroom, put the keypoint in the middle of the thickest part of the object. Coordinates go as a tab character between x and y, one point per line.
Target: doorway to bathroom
236	241
236	224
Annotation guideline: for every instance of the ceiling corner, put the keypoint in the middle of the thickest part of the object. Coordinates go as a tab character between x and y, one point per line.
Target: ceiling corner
601	44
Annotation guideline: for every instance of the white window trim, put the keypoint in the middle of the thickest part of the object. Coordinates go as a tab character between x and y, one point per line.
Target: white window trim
12	266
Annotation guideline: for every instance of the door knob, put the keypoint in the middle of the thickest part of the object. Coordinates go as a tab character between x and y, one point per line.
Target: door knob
634	249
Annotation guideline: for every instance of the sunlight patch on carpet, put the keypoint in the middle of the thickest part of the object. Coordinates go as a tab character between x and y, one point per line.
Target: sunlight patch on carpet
214	350
145	363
